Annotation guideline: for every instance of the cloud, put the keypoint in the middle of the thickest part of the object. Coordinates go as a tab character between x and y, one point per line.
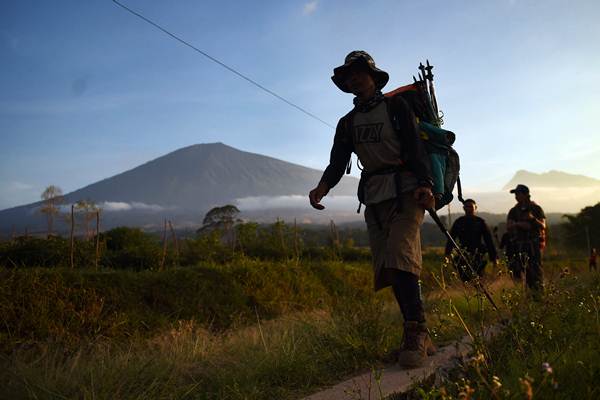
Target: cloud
310	7
115	206
125	206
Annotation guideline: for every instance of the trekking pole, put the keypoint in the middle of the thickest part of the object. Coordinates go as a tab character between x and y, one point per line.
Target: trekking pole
422	73
478	283
429	77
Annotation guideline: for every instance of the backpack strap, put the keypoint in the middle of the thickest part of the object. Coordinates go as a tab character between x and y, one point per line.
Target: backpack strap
348	121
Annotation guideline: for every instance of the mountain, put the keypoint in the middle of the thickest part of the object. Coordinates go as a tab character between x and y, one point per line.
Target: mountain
185	184
551	179
555	191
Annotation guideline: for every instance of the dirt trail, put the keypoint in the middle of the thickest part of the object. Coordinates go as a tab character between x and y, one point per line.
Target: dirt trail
394	379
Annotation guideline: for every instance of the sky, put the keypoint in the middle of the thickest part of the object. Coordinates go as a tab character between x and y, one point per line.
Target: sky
88	90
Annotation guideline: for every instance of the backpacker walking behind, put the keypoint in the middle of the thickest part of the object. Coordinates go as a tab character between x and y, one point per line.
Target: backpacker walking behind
395	187
526	222
475	238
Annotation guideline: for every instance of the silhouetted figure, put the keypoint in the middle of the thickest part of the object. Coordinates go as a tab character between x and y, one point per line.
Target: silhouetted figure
593	256
526	223
395	187
473	235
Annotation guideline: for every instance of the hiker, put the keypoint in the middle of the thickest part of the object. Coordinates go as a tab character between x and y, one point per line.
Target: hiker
593	256
526	223
395	186
474	236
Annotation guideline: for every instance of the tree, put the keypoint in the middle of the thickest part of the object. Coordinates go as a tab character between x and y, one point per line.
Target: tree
89	209
52	198
221	218
583	229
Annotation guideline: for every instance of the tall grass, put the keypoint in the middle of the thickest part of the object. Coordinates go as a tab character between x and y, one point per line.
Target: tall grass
244	330
548	349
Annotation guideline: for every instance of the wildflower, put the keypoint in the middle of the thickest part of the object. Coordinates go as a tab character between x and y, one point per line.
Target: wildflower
526	387
477	359
496	382
466	393
546	368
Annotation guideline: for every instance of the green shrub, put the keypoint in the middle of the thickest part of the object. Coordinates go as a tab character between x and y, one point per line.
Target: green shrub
35	252
131	248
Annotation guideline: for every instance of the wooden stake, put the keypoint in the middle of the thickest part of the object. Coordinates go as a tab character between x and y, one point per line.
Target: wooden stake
296	252
72	236
97	239
174	242
164	253
280	232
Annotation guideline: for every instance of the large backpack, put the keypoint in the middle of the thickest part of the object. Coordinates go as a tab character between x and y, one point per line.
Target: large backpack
445	162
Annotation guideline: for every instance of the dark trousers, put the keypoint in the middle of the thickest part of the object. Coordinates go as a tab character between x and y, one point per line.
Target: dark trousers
408	294
528	258
476	265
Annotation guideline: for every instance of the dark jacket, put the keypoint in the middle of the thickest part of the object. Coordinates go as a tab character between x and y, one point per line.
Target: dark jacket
473	235
414	155
520	213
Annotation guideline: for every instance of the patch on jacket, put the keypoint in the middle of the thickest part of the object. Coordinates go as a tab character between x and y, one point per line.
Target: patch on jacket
368	133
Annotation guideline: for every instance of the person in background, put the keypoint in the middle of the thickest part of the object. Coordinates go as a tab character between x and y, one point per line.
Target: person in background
526	223
473	235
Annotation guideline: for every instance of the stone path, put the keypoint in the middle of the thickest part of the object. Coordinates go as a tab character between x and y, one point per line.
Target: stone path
394	379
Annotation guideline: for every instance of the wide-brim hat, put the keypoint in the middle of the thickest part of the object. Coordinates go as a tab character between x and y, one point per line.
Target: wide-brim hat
520	189
380	77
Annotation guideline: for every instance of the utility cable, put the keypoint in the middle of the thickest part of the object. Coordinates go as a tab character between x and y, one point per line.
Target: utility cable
222	64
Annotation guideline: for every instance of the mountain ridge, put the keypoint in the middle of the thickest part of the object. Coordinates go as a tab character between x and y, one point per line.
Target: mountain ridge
551	179
185	183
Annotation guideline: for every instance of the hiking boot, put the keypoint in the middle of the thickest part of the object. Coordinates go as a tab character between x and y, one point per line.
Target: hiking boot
416	346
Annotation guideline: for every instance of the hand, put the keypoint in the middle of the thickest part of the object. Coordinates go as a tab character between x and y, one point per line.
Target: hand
317	194
424	197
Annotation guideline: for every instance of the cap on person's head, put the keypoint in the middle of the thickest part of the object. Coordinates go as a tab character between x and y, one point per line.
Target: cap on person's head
520	189
380	77
469	201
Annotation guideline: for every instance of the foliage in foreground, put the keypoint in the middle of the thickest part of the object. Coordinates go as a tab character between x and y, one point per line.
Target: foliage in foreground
74	306
547	350
291	355
142	334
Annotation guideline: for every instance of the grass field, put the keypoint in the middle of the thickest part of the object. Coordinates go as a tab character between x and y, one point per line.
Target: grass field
253	329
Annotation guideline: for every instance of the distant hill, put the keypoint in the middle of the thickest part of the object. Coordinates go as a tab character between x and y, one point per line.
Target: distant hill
556	191
185	184
551	179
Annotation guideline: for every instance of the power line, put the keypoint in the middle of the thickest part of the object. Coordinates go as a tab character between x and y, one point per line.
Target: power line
222	64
